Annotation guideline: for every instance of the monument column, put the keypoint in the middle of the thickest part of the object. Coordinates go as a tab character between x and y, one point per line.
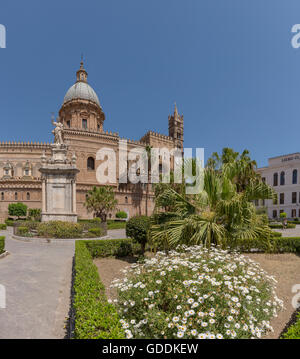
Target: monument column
59	181
74	196
43	195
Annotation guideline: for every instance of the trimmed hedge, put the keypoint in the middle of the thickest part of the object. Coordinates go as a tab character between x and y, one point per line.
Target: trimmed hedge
280	226
95	232
296	221
272	245
9	222
2	244
95	318
3	226
121	214
294	330
59	229
22	231
112	247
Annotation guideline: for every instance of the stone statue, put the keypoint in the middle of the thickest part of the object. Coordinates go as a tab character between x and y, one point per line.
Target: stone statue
58	133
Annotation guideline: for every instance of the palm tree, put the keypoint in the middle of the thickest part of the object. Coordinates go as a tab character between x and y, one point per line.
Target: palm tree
101	200
219	213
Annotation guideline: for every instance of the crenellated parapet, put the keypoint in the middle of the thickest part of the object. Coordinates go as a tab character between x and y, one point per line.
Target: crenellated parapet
27	145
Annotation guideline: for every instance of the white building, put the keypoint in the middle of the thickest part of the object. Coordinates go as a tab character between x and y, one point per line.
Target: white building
283	174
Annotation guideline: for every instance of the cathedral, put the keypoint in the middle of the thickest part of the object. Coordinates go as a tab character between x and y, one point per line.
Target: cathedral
83	122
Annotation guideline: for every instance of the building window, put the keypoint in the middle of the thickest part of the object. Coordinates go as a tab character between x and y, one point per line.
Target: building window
294	197
275	199
282	178
256	202
28	196
68	124
274	213
263	202
16	196
281	198
2	196
293	213
299	212
26	172
281	211
91	164
126	199
84	124
98	126
275	179
295	173
264	179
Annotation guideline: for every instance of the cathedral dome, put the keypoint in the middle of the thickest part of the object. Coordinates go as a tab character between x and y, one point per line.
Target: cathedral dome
81	90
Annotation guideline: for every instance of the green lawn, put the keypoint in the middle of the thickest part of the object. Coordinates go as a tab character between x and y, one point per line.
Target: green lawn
116	225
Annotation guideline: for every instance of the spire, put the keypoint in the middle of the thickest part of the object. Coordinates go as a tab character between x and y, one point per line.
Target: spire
81	74
176	116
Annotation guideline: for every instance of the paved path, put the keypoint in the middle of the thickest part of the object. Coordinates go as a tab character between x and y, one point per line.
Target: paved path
116	233
37	278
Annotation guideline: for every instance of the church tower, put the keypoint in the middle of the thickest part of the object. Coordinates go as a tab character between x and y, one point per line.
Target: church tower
176	128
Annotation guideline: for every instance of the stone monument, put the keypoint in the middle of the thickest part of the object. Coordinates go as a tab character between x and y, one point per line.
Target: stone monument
58	181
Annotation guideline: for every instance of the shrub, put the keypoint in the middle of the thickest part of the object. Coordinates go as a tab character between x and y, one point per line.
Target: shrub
121	214
282	215
3	226
35	214
9	222
2	244
138	228
196	293
294	330
22	231
95	318
17	209
95	231
59	229
111	247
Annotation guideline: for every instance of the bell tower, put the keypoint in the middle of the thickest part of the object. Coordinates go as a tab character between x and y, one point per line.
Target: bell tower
176	128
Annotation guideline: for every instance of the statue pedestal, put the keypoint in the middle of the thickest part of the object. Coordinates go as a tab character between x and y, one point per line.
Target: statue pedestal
59	186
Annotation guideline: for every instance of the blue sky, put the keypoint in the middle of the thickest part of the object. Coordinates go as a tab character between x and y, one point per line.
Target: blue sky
229	65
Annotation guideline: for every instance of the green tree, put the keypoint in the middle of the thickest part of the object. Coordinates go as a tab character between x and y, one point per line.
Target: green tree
17	209
138	228
222	211
101	200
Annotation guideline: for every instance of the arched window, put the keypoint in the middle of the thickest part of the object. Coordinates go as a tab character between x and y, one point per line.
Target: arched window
16	196
282	178
295	175
90	164
28	196
126	199
2	196
275	179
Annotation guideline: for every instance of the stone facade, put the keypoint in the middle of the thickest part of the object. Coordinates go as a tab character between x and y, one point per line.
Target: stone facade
283	174
84	134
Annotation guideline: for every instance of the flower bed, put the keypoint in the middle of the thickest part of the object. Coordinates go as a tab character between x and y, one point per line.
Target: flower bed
196	293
